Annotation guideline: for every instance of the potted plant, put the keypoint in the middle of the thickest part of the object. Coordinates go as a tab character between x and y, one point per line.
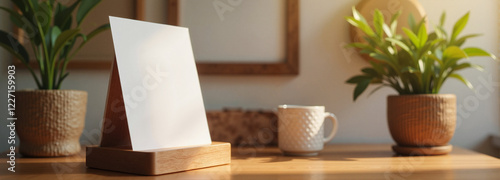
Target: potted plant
416	65
50	121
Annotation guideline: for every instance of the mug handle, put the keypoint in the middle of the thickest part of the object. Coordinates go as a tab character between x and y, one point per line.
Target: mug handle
333	118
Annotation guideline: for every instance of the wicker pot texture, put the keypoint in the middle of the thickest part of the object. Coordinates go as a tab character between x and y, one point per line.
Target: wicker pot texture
50	122
422	120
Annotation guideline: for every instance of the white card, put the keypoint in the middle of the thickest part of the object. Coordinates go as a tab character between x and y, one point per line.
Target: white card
160	85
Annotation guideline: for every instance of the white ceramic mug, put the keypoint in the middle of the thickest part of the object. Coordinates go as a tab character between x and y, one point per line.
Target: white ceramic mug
301	129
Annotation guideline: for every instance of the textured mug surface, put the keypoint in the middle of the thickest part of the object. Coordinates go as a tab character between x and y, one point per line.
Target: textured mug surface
301	130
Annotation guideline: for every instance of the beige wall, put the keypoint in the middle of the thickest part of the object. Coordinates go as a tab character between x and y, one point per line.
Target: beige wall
325	65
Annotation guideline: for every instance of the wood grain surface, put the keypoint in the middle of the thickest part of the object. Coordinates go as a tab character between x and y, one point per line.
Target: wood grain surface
334	162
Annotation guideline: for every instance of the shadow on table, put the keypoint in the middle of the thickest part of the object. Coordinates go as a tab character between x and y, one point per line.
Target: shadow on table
78	170
277	156
332	156
484	174
59	169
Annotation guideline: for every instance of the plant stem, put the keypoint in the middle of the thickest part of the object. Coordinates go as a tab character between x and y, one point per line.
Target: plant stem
44	47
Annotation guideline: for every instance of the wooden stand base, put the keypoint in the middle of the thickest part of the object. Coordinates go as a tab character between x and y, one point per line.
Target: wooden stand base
159	161
422	151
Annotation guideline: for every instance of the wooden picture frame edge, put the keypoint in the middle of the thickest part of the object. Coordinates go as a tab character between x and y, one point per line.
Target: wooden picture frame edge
289	67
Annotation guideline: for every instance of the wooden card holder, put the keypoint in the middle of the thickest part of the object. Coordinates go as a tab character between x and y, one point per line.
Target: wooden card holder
115	151
159	161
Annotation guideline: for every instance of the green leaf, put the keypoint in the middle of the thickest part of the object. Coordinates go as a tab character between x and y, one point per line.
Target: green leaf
358	45
467	65
382	57
366	51
411	22
442	19
394	22
426	80
17	17
35	3
399	43
11	44
67	25
378	23
370	72
421	65
87	38
422	35
357	15
432	36
376	80
20	5
370	41
420	24
435	41
357	79
473	51
395	16
477	67
387	30
63	14
58	86
435	58
44	14
459	26
83	36
98	30
462	79
413	37
85	7
439	54
55	32
19	20
63	39
33	14
361	25
378	67
453	52
51	37
441	33
27	12
360	88
462	40
409	69
376	89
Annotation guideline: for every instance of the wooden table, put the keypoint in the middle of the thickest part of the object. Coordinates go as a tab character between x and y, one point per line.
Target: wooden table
335	161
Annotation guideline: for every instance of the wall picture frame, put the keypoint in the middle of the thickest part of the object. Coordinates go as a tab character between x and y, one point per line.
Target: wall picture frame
288	66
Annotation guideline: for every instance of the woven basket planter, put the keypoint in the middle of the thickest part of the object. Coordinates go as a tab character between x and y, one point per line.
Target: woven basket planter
50	122
422	121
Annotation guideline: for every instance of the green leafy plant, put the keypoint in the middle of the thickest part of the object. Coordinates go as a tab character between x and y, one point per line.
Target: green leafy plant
52	32
417	63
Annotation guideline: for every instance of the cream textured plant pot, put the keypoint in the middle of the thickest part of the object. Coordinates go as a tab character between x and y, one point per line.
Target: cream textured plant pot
422	121
50	122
